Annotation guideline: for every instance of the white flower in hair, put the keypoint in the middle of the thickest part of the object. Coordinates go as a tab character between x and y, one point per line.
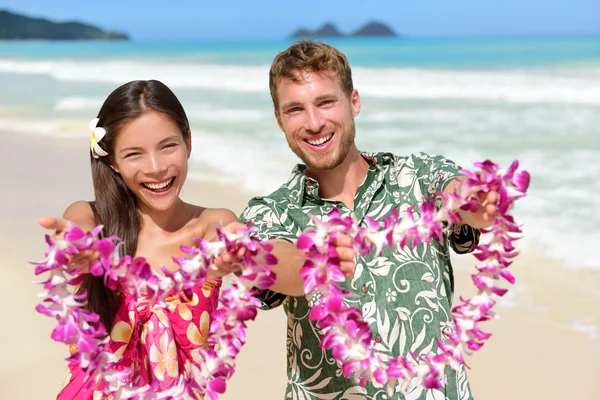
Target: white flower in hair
97	133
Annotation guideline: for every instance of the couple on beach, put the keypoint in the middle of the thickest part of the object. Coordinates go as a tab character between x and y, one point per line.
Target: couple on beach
140	146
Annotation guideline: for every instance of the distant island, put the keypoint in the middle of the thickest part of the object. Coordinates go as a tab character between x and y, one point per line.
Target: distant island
371	29
20	27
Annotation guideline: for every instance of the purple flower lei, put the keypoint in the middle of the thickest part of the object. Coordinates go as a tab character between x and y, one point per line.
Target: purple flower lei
78	326
344	331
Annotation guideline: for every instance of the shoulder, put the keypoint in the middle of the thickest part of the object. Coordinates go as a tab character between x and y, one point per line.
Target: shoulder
278	200
405	169
386	159
217	216
79	209
289	192
224	215
389	162
81	214
282	195
429	158
209	220
418	161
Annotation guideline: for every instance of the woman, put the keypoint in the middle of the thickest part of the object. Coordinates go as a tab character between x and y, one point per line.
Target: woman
140	146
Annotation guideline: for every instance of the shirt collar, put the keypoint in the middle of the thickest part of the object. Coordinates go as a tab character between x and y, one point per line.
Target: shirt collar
308	188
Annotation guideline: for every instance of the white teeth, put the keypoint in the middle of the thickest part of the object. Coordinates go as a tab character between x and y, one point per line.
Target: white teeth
158	186
318	142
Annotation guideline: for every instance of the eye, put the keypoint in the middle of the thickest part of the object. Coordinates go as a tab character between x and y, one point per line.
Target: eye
294	110
326	102
131	155
171	145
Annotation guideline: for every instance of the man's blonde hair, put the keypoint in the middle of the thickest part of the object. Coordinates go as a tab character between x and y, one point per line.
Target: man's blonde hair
307	55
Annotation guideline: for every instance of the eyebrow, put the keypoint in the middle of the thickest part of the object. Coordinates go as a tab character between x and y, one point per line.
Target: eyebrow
318	99
139	148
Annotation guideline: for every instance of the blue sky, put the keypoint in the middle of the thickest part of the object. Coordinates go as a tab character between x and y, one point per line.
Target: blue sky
198	19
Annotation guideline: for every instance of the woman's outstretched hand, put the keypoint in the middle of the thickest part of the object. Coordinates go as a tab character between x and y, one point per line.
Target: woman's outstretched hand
229	262
60	226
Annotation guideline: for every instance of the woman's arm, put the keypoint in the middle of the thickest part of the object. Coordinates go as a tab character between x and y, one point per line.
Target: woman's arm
79	214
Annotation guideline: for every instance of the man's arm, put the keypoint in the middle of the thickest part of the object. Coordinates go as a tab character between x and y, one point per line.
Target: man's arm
264	217
438	174
290	259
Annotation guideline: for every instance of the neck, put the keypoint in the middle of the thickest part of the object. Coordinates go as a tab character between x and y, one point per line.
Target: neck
341	183
169	220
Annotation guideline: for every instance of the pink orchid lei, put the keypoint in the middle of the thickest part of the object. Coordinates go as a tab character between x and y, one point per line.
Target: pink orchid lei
81	327
344	331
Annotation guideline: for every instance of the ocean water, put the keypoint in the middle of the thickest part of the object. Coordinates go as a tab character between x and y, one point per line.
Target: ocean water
535	99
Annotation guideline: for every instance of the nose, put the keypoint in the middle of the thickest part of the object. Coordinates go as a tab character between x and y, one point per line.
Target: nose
314	121
154	164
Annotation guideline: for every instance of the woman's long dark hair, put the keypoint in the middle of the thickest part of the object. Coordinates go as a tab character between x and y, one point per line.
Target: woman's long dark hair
115	206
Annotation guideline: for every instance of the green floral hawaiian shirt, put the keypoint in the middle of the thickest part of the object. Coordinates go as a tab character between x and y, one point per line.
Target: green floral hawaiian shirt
405	296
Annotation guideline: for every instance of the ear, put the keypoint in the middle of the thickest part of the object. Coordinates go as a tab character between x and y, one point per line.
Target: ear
113	164
188	143
278	118
355	102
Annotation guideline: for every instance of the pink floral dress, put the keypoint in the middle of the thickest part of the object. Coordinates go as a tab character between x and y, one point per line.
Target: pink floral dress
161	343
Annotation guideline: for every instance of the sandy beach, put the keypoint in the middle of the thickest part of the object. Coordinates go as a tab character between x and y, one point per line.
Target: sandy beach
543	347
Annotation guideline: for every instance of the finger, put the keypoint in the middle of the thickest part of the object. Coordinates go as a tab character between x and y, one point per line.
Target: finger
232	267
218	262
345	253
241	252
225	268
48	222
483	200
234	227
489	216
224	261
492	197
57	224
227	257
347	268
82	255
79	260
85	257
343	241
92	254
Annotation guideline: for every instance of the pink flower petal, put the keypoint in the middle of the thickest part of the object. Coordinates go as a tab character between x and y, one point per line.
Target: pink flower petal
304	242
217	385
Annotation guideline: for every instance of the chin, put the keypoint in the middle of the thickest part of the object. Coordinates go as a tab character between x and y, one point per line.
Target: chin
163	204
322	163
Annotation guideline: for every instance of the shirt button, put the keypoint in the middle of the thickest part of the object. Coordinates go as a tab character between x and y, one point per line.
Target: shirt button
365	289
377	339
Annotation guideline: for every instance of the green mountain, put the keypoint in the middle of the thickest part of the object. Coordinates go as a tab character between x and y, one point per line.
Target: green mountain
327	30
20	27
372	29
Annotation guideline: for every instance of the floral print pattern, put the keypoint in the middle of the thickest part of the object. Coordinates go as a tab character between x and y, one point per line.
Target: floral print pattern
405	296
161	344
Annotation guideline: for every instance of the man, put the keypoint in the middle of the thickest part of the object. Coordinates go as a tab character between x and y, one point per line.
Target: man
405	296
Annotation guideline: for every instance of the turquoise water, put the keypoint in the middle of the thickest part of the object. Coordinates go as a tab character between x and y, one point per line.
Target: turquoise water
535	99
368	52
